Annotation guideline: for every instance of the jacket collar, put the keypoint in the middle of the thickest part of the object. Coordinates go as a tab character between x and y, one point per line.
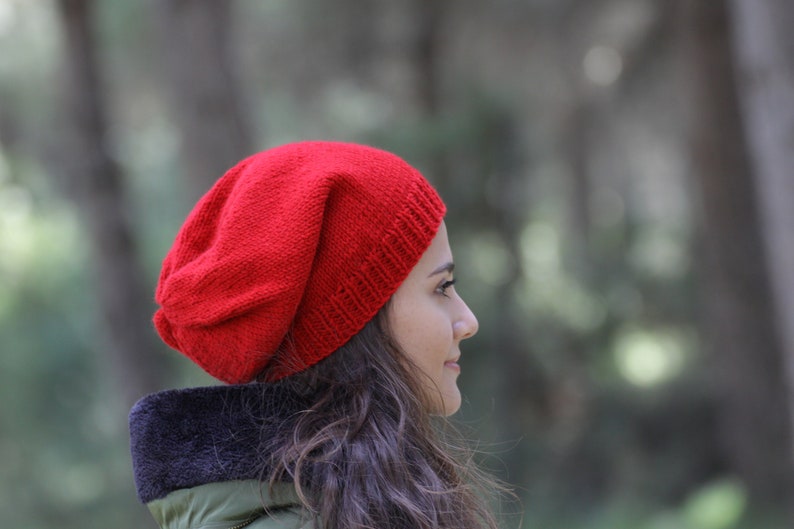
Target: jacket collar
189	437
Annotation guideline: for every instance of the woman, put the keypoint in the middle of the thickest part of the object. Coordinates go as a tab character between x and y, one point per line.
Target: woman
317	280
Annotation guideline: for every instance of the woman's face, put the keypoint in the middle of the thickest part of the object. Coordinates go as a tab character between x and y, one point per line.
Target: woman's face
428	320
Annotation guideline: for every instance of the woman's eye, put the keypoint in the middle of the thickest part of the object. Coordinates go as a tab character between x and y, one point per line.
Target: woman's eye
442	288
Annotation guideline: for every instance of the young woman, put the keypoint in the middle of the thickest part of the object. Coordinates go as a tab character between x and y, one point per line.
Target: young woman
317	280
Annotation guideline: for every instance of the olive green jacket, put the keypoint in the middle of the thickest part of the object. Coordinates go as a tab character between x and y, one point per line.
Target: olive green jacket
231	505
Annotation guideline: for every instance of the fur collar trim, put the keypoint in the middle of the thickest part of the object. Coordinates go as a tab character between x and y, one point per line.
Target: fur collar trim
189	437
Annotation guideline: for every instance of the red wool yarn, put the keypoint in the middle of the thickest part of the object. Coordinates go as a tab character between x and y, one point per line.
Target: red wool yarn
290	254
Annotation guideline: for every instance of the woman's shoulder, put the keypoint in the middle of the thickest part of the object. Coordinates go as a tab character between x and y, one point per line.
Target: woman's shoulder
232	505
291	518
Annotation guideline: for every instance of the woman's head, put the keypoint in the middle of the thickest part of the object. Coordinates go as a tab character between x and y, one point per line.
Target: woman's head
290	254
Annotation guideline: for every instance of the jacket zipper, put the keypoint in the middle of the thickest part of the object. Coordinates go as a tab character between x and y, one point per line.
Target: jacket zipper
247	522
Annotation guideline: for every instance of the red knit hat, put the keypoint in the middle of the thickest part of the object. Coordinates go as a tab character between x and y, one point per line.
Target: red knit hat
290	254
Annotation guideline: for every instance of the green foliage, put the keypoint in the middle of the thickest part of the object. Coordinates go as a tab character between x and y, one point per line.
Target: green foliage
717	505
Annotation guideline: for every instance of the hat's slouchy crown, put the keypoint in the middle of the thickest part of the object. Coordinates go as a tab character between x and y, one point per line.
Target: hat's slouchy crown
290	254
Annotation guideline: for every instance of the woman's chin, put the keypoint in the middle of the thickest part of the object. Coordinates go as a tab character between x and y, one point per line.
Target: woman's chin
449	402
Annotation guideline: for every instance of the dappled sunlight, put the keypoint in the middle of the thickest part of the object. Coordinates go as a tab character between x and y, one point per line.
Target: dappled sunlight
35	242
602	65
548	288
649	357
490	258
716	505
540	247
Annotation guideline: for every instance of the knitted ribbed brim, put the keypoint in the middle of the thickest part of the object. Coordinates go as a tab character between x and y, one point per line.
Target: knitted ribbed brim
290	254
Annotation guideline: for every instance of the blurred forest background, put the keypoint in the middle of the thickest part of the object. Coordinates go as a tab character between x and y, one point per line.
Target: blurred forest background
620	180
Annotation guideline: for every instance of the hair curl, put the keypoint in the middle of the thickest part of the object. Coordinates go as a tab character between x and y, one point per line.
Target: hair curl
366	453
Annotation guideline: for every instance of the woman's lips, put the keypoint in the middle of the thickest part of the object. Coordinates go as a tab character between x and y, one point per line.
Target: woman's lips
452	364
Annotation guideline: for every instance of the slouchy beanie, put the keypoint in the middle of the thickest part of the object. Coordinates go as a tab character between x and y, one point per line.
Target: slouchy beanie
289	255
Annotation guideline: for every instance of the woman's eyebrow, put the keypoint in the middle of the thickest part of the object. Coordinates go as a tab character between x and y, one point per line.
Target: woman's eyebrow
444	268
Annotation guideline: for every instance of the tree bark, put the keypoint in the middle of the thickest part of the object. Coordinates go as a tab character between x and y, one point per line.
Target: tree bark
95	183
425	50
764	49
206	101
745	352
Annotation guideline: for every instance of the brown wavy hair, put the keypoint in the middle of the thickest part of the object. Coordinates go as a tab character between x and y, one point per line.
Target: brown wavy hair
367	454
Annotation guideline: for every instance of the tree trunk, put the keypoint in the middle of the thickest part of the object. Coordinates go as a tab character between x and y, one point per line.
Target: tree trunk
206	102
94	182
425	50
765	56
745	352
423	47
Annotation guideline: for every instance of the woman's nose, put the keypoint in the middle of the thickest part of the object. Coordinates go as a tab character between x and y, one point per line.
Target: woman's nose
466	325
